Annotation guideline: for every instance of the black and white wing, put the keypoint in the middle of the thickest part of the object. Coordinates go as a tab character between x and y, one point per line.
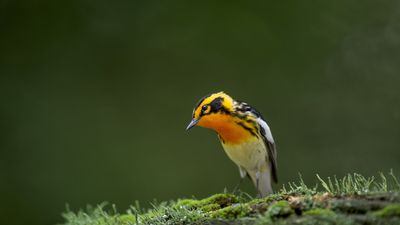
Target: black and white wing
266	135
271	148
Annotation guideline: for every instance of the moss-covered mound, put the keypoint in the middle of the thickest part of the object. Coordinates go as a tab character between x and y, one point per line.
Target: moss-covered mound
351	200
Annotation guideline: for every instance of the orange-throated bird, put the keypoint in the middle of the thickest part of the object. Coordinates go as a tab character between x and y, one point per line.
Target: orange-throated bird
244	135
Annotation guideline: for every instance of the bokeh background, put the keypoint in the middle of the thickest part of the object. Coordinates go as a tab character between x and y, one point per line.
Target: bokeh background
96	95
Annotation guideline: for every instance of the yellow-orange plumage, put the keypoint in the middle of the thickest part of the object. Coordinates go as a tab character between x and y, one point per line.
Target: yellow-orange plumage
227	127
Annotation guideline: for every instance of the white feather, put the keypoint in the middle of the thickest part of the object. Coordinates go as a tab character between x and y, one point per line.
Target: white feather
268	134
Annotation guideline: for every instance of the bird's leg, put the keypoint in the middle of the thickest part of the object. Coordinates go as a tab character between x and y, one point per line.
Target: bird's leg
243	174
257	183
236	189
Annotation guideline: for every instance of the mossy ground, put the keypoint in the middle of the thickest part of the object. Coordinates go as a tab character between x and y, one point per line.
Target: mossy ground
351	200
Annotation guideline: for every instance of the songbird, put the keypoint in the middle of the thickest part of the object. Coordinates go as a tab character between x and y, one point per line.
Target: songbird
244	135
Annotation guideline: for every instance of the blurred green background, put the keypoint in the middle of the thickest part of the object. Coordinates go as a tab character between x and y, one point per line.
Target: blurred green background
96	95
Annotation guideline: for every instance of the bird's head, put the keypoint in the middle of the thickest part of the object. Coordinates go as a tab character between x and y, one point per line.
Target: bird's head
212	111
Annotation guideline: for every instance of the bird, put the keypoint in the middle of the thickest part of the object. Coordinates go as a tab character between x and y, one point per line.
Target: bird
244	134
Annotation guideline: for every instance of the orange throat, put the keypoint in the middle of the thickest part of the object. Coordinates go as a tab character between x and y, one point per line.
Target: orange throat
227	127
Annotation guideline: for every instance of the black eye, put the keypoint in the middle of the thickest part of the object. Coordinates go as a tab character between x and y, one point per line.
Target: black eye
204	108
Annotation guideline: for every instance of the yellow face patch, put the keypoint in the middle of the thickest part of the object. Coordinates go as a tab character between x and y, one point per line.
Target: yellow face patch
216	112
204	104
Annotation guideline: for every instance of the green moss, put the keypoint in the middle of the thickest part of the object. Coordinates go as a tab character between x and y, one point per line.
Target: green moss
260	205
100	215
268	199
320	212
187	203
127	219
232	212
314	216
280	209
297	205
320	220
389	211
210	207
211	203
165	214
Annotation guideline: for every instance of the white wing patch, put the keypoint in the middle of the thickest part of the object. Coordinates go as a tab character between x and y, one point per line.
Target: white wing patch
268	133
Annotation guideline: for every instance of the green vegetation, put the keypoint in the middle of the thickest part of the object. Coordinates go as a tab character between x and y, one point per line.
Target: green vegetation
353	199
98	215
388	211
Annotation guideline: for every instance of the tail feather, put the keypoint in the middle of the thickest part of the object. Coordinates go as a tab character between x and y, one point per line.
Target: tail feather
264	182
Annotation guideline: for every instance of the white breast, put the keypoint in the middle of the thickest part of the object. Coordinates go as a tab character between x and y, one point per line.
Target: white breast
249	155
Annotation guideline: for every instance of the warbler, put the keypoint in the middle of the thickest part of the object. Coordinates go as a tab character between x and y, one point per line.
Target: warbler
244	135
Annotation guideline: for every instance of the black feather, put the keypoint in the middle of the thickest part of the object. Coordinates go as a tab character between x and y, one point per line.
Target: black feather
271	150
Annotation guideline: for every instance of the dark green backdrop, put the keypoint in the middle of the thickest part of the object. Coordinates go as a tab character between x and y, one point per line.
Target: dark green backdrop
96	95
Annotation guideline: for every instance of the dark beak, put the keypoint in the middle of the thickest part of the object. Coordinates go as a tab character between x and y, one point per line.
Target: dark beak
192	123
